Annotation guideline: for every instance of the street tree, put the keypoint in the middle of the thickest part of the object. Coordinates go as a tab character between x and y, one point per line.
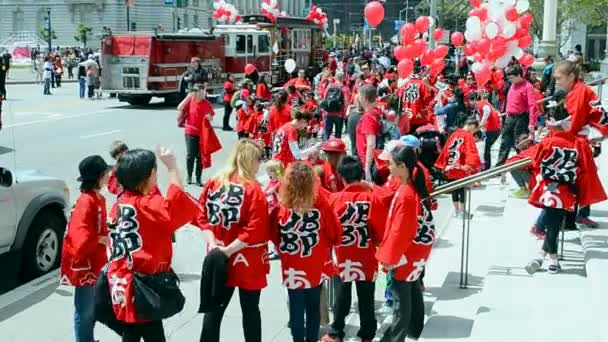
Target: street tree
83	32
44	33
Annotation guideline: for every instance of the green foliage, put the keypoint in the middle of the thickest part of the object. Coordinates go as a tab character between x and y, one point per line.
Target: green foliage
44	33
342	41
452	14
82	34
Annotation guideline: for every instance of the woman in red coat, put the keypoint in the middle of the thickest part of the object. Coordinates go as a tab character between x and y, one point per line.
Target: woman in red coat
304	228
84	247
235	221
141	229
280	112
261	90
407	242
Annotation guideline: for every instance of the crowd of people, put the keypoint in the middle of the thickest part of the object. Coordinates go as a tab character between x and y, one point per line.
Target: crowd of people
331	214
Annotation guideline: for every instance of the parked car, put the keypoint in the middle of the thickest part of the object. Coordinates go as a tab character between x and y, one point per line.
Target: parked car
32	220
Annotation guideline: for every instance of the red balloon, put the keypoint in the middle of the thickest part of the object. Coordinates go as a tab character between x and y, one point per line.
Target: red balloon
457	38
526	20
422	24
526	59
405	68
438	33
469	49
483	46
250	69
524	42
427	58
483	76
419	47
482	13
437	67
441	51
522	32
511	14
498	75
475	3
374	13
399	52
408	33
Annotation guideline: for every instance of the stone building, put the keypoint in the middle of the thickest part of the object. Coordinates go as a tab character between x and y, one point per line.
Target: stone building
20	16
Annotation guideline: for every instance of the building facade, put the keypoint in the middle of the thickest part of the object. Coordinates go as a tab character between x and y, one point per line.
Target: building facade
145	15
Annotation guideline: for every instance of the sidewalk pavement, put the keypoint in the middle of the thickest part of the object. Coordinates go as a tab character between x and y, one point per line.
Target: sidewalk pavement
23	75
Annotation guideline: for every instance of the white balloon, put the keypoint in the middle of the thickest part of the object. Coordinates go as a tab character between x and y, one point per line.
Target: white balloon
290	65
491	30
496	12
509	2
509	30
522	6
518	53
493	3
476	67
503	61
473	35
473	22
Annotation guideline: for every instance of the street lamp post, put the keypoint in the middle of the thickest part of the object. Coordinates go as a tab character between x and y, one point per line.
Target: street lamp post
49	29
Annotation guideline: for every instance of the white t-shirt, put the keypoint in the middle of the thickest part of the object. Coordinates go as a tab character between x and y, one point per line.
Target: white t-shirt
48	70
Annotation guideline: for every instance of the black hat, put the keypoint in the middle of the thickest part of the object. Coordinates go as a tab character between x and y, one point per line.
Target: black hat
91	168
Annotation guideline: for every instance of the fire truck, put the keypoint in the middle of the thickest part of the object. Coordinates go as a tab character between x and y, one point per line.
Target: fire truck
139	66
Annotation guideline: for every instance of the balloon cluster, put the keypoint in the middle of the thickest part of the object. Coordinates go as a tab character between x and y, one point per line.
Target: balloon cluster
317	16
270	9
414	46
225	13
495	32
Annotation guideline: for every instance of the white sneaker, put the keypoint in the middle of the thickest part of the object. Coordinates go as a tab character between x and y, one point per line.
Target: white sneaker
534	265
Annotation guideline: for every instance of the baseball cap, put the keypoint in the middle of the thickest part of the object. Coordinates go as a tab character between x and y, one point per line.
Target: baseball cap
91	168
388	149
334	145
410	141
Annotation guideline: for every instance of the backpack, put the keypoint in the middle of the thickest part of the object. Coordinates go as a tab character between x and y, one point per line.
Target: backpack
334	101
235	97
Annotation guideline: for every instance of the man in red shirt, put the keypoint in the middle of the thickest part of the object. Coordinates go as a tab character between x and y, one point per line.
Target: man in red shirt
417	97
368	128
521	112
285	146
335	107
301	82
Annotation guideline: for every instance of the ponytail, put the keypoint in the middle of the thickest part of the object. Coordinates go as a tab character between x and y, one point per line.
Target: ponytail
419	182
407	156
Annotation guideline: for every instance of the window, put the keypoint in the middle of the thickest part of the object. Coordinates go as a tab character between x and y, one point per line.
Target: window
263	44
195	20
186	21
240	43
249	44
18	20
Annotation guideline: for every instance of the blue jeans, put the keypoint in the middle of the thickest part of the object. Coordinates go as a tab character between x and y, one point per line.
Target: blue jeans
84	313
47	86
305	303
540	224
82	85
330	123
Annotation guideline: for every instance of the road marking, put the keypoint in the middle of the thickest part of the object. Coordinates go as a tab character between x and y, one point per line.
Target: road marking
100	134
58	118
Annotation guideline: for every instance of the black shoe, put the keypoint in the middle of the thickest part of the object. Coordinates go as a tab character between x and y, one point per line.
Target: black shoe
200	183
189	181
228	129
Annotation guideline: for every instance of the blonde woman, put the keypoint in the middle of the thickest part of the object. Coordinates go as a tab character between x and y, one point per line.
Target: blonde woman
235	222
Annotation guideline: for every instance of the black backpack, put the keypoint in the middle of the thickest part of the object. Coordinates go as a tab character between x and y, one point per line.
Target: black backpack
334	101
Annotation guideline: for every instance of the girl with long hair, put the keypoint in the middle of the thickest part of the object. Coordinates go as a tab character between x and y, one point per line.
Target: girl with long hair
280	112
304	228
235	222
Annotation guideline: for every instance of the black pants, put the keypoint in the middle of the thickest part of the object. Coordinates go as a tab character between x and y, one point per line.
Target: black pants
365	294
149	331
305	314
193	157
243	135
491	138
227	112
408	312
553	222
330	123
2	84
58	80
521	177
252	320
458	195
91	91
514	126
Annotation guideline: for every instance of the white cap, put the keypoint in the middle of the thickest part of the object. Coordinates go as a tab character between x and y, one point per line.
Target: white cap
389	147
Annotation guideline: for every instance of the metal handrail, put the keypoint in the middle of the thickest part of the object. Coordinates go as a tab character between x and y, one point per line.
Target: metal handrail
478	177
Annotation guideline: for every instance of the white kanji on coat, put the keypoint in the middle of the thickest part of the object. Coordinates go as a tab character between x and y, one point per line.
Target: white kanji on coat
295	279
240	258
419	267
351	271
118	290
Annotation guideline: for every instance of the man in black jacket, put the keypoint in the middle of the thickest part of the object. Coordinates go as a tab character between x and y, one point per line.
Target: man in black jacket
5	64
196	74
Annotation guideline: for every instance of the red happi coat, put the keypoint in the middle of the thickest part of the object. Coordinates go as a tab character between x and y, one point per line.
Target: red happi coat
140	241
565	173
417	98
304	242
280	144
409	235
239	211
208	143
363	216
459	151
82	256
330	180
493	123
584	107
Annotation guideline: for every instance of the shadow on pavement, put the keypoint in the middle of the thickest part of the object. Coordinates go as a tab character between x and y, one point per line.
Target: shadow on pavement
442	243
188	277
599	213
439	326
27	302
5	150
490	210
450	290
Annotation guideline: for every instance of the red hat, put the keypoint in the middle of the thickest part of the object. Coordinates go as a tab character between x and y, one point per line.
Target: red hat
334	145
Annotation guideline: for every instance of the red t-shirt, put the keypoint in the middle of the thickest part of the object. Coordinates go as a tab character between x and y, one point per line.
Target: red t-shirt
277	118
228	91
247	121
369	124
262	92
196	111
330	180
280	145
492	123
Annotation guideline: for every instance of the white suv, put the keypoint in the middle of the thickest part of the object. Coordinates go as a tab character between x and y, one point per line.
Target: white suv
32	220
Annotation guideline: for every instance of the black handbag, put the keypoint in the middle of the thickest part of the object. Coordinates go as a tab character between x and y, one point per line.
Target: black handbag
104	313
157	296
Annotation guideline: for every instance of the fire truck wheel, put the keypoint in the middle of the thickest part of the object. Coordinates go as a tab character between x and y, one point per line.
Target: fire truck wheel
139	101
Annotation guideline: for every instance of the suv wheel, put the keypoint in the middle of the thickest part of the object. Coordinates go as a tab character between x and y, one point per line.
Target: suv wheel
43	243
